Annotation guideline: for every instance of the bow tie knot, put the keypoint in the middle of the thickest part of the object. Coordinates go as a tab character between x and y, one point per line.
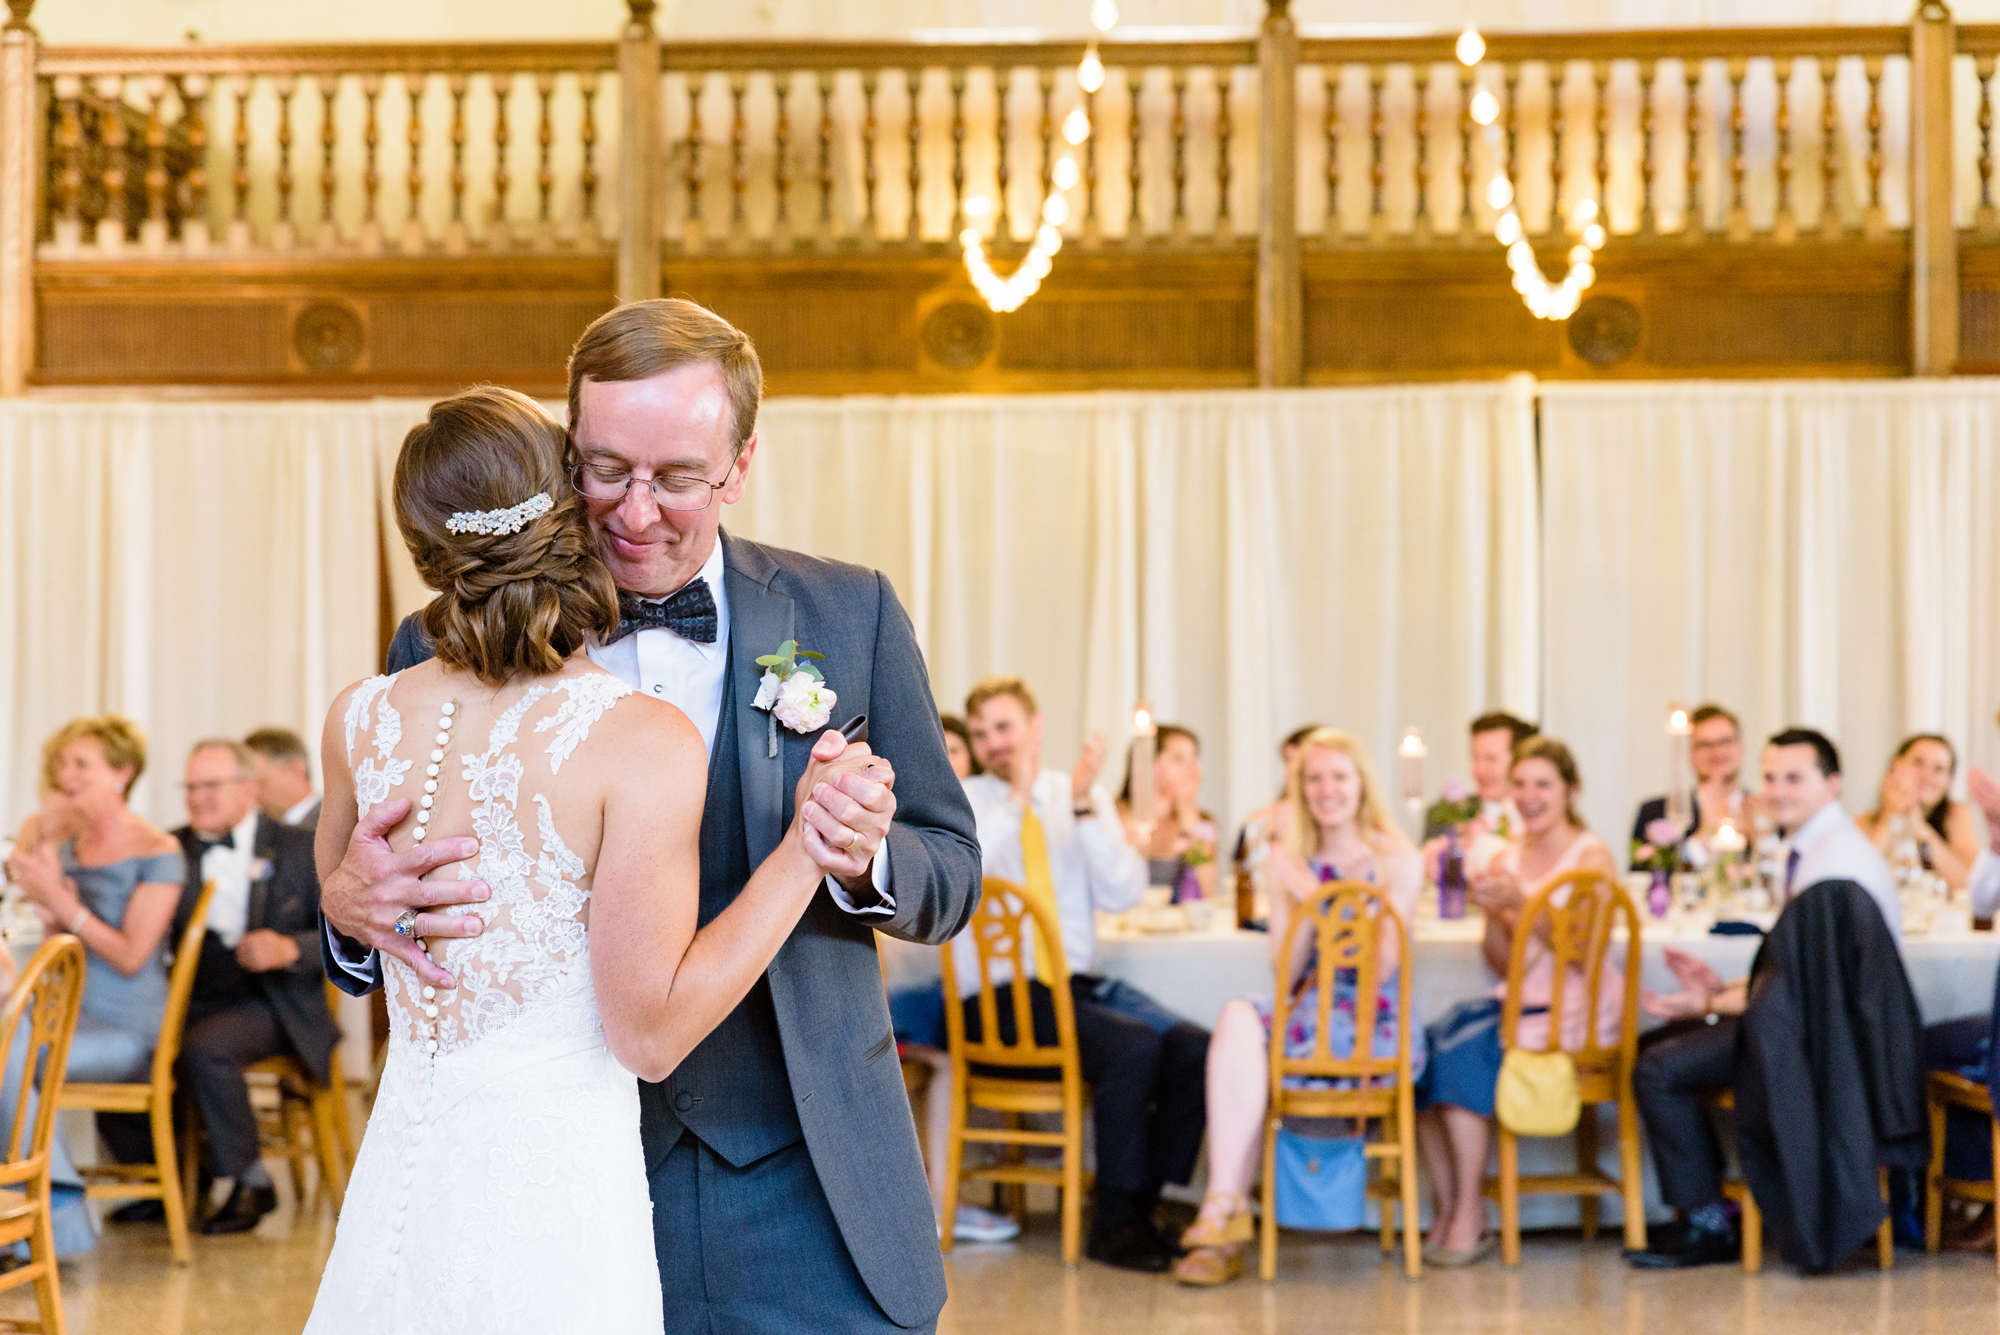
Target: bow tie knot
690	614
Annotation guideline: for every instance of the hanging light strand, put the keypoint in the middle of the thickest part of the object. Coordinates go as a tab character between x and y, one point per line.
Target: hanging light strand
1546	300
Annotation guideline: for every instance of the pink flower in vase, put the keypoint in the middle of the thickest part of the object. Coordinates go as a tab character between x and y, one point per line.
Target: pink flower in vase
1663	833
1455	790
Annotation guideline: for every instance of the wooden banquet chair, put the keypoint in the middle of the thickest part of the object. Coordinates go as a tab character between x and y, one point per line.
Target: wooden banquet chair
1349	918
1947	1090
153	1098
1736	1189
41	1012
1580	933
1020	1076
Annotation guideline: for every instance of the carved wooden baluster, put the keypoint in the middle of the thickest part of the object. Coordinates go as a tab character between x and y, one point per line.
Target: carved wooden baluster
239	172
1600	77
1873	223
1091	225
153	232
1739	216
957	150
193	91
1649	93
329	90
1468	221
781	151
456	239
1225	227
1420	225
1692	223
68	149
739	169
692	231
913	230
1135	129
1986	220
545	176
1179	227
283	234
1831	225
1512	78
1785	228
371	174
870	223
501	234
823	232
413	238
1378	218
1047	78
1558	76
1331	229
587	234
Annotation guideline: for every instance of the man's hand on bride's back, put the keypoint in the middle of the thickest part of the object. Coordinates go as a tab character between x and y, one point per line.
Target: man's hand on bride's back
374	884
846	801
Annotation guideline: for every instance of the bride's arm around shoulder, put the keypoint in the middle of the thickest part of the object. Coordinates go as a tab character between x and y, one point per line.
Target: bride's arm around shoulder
661	985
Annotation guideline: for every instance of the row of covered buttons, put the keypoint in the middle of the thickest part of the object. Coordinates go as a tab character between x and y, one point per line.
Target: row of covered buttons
403	1187
429	799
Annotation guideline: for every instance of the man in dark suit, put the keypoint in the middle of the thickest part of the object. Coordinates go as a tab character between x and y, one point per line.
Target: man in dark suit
788	1192
259	990
1715	750
283	767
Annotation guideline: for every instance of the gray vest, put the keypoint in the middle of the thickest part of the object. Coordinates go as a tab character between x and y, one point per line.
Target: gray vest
732	1091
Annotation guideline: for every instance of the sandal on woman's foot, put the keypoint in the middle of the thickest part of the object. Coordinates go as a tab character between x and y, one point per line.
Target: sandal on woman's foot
1209	1266
1233	1231
1454	1258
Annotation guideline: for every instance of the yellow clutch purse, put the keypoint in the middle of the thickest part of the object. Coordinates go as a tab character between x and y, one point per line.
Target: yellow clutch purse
1537	1094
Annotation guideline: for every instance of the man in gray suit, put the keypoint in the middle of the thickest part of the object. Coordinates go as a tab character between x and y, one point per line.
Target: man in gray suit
788	1192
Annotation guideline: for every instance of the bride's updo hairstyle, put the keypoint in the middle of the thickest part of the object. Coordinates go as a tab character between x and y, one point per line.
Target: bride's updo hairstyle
509	603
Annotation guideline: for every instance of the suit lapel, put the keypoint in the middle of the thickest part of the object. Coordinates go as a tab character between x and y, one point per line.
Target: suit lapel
760	619
264	846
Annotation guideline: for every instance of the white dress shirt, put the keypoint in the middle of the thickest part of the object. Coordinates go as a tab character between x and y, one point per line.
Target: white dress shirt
1831	847
1984	883
1091	864
298	811
230	870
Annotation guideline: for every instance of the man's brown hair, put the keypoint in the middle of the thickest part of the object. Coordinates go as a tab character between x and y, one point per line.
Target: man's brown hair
1708	713
995	687
642	339
280	746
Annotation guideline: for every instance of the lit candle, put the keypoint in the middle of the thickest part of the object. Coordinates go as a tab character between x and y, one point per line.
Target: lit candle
1143	737
1678	730
1727	841
1413	752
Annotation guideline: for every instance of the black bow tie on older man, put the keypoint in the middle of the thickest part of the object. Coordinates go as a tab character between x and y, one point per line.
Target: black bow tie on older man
689	614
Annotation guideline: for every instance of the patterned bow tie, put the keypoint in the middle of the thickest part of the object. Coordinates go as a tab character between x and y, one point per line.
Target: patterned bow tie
689	614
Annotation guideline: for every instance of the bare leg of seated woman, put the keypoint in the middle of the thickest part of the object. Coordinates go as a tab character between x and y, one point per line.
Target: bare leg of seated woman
1453	1142
1238	1076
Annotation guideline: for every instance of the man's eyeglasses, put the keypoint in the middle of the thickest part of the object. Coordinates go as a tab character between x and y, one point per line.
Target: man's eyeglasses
212	785
671	491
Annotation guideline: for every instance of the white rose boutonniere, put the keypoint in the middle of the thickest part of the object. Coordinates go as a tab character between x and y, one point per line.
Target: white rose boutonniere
261	870
793	691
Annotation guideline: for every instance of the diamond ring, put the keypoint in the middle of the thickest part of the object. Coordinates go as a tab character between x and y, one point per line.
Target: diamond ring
406	923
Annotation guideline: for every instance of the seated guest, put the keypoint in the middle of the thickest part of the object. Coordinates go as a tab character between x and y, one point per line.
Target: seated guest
958	746
1715	748
1695	1054
285	789
1351	838
1915	811
259	990
1455	1096
1268	822
1144	1064
1494	738
1180	843
94	868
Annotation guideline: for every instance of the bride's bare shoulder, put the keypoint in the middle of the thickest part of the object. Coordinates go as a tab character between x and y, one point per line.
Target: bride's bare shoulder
639	728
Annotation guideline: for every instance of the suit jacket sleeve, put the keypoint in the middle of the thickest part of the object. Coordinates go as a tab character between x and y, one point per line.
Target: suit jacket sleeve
408	648
296	893
933	846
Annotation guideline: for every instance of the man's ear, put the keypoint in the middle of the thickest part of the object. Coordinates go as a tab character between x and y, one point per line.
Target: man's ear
739	472
1833	783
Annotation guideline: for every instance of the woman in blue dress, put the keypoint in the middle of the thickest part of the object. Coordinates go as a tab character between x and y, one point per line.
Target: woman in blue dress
95	868
1340	830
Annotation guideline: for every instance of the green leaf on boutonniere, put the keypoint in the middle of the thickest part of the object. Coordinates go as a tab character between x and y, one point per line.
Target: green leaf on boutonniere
771	660
807	653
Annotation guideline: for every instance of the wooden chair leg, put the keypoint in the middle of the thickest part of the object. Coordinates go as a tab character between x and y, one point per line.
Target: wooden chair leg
1753	1235
42	1253
1267	1235
1413	1247
1631	1173
191	1165
343	1119
289	1119
171	1199
954	1165
326	1140
1934	1181
1072	1188
1586	1162
1510	1198
1996	1193
1885	1236
1383	1203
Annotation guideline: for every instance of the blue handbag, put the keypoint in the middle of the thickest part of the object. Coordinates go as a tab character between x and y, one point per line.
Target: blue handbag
1321	1184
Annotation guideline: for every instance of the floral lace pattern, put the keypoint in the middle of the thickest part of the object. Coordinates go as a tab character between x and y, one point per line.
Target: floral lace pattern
376	775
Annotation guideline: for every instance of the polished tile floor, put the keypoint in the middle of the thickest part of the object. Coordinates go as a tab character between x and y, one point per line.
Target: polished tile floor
263	1284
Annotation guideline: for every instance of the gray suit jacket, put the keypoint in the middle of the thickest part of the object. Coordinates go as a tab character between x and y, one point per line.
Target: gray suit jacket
826	981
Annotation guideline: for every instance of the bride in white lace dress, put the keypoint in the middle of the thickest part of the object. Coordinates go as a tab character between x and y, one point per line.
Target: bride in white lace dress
500	1185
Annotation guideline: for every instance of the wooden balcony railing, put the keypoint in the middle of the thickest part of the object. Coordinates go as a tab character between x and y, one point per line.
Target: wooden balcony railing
1273	142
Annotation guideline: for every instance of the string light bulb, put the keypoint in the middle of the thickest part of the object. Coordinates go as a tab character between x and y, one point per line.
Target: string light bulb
1485	107
1066	173
1076	126
1104	15
1090	74
1471	47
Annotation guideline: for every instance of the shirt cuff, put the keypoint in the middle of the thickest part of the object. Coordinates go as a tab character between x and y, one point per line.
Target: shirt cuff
360	970
879	877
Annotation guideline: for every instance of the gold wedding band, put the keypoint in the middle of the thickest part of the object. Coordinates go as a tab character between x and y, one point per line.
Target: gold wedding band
853	838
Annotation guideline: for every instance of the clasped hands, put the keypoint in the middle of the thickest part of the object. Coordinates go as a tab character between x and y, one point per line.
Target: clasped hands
844	805
1702	989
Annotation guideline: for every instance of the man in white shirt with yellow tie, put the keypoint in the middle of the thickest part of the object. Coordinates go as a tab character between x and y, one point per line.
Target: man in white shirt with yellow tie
1146	1066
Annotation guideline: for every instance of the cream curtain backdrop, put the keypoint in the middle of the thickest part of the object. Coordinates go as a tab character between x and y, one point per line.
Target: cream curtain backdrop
1815	553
